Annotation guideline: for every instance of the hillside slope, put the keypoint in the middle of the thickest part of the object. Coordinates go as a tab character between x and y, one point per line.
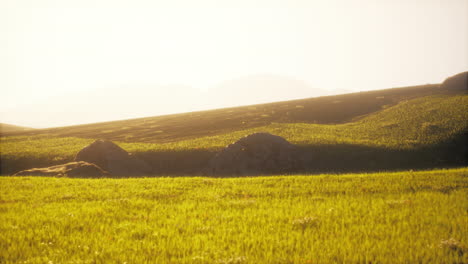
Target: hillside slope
423	132
6	128
417	127
170	128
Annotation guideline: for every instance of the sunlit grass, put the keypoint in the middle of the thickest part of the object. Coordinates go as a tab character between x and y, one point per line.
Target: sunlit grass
405	217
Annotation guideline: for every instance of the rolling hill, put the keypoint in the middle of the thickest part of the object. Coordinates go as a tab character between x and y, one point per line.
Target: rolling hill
171	128
415	127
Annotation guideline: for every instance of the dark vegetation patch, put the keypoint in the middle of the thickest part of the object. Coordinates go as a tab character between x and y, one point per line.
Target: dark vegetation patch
256	154
112	158
336	158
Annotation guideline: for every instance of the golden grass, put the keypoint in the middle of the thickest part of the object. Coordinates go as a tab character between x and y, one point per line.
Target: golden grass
403	217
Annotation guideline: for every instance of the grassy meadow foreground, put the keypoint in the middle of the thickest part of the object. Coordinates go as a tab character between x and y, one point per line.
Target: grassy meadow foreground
402	217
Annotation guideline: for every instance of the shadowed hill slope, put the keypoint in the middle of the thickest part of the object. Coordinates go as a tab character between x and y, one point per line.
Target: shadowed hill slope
171	128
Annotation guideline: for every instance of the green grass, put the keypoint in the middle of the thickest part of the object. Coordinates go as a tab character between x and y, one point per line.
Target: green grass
422	121
404	217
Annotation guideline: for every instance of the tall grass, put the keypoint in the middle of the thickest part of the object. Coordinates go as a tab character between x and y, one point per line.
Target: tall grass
405	217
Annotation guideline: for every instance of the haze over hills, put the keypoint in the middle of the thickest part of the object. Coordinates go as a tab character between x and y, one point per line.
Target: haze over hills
12	128
262	88
141	99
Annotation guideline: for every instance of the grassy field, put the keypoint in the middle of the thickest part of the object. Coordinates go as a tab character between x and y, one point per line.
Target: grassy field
387	217
403	217
394	133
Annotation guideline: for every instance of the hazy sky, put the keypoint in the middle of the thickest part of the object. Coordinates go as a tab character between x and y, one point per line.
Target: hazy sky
67	62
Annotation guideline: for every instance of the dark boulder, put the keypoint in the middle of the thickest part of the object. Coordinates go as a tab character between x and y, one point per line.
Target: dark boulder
457	82
113	159
78	169
256	154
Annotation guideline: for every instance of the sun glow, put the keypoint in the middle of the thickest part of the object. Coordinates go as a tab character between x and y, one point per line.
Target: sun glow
69	62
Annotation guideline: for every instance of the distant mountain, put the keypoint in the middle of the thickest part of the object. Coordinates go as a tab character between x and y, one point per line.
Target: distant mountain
12	128
262	88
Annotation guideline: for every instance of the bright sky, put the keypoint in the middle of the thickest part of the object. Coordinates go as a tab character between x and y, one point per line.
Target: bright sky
67	62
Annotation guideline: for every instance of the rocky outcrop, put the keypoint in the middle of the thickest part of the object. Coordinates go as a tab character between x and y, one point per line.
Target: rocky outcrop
78	169
256	154
113	159
457	82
